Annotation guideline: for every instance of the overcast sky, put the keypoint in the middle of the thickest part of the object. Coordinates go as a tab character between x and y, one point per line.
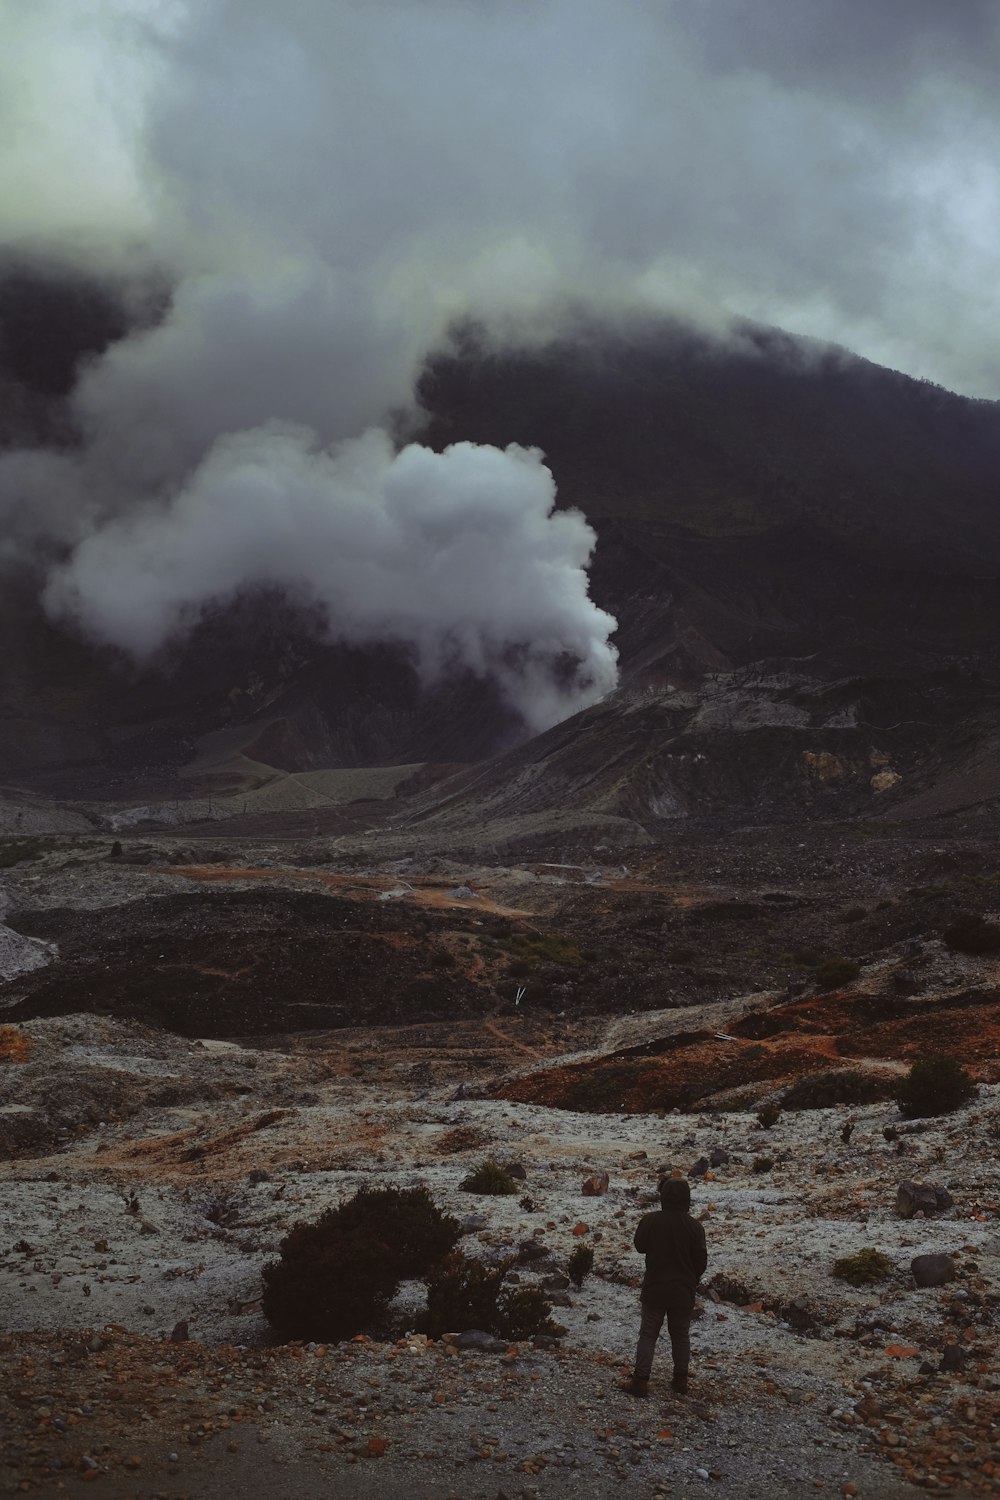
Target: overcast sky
829	165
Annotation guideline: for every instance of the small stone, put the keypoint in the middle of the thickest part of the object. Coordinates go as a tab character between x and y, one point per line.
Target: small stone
595	1186
701	1473
932	1270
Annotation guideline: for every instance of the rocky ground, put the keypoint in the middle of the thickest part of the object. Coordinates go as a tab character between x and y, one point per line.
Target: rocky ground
167	1114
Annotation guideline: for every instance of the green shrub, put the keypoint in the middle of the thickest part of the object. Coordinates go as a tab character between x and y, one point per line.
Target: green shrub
768	1115
840	1086
338	1274
862	1269
763	1164
463	1293
580	1265
972	934
491	1178
934	1086
442	958
834	972
807	958
681	955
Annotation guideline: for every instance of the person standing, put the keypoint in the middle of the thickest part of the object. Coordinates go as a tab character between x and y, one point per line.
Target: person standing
676	1256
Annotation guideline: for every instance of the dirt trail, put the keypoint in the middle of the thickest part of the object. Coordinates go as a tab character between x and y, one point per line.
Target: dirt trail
419	891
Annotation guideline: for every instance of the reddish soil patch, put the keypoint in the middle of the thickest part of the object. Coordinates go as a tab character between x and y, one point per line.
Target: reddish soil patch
775	1047
15	1047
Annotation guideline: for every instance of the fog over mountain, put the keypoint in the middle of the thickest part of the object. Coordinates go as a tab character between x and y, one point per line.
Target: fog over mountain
294	203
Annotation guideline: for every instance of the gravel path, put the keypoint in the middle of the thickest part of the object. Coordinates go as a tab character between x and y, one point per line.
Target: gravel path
156	1417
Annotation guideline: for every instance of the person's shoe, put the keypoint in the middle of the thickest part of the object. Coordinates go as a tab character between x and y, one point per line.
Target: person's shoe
679	1385
634	1387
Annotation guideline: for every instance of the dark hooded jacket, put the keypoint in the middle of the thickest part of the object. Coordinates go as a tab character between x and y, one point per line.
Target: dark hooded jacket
674	1246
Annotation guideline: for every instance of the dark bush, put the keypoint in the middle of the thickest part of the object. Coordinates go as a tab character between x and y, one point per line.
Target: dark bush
328	1283
934	1086
491	1178
580	1265
841	1086
464	1293
972	934
337	1275
408	1220
833	972
768	1115
523	1313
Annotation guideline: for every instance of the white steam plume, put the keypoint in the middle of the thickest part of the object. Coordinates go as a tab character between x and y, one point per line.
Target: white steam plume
459	554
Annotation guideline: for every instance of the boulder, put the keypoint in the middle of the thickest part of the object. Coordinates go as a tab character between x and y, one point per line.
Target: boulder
921	1197
953	1357
596	1185
477	1338
719	1157
530	1250
932	1270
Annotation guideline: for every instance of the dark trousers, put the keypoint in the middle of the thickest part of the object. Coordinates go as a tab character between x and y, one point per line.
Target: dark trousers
679	1329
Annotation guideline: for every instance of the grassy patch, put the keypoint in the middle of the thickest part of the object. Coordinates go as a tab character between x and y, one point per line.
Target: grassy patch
490	1178
529	949
19	851
864	1268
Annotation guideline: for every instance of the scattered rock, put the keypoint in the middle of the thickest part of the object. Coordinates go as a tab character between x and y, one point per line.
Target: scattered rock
922	1197
596	1185
953	1358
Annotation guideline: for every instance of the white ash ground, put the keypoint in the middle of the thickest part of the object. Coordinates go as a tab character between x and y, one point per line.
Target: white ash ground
164	1215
